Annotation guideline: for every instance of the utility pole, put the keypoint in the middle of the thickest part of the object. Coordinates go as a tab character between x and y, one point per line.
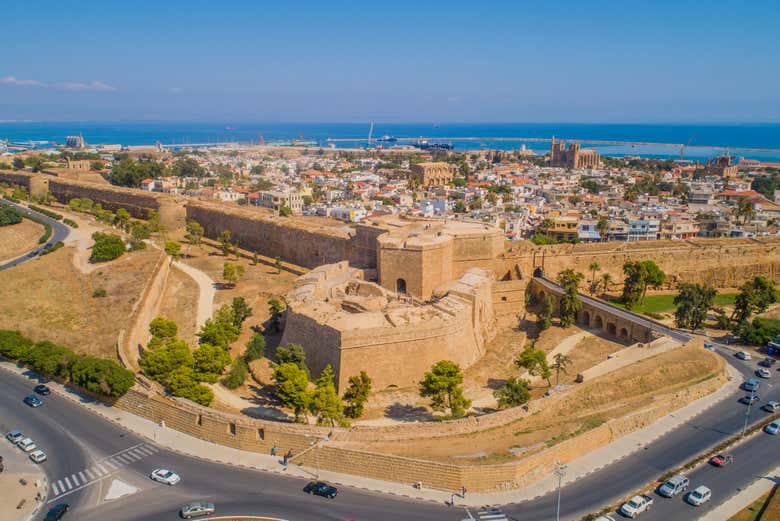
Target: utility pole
560	471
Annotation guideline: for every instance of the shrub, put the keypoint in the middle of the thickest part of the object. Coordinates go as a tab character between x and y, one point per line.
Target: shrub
99	293
57	245
13	344
71	223
182	383
255	348
9	215
47	213
49	358
107	247
161	327
160	363
760	331
210	361
101	376
237	374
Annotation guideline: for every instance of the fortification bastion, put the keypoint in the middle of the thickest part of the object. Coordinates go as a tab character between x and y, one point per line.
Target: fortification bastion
355	325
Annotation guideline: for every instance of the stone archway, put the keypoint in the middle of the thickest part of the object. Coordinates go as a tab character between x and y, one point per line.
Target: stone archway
611	328
400	286
598	323
586	318
623	333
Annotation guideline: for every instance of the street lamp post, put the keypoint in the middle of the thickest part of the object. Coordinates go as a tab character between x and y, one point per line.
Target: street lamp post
560	471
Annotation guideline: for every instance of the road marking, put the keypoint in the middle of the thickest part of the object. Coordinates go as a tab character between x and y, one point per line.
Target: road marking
83	478
123	458
89	473
132	456
146	451
67	483
152	448
54	489
101	468
75	480
110	464
138	453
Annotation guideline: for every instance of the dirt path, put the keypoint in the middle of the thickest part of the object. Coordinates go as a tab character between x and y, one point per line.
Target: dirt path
245	405
206	291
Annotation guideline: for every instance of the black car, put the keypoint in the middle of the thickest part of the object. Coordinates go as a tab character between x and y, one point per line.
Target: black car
767	362
42	390
56	512
32	400
318	488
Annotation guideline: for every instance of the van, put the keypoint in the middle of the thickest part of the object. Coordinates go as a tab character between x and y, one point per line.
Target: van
674	486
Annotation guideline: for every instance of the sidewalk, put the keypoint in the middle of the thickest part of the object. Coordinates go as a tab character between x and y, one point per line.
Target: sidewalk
190	446
743	498
15	494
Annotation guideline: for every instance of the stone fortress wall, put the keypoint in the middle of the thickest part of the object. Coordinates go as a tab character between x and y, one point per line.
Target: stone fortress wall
354	325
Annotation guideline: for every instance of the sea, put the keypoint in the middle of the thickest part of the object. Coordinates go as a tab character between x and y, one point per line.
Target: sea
759	141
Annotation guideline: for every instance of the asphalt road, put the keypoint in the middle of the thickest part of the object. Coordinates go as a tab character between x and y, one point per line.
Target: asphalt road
77	440
59	233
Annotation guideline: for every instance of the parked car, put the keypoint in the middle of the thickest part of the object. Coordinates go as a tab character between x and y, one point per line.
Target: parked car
674	486
721	460
751	384
38	456
165	476
42	389
33	401
319	488
763	372
743	355
749	399
771	406
14	436
636	505
699	496
27	445
767	362
56	512
197	509
773	428
709	346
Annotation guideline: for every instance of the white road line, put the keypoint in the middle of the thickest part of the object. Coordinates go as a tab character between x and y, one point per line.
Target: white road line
83	478
145	450
151	448
54	489
101	468
137	452
75	480
89	474
110	464
123	459
114	462
69	492
67	483
61	486
132	457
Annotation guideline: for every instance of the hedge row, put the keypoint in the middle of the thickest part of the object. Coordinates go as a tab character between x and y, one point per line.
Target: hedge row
70	222
97	375
57	245
47	213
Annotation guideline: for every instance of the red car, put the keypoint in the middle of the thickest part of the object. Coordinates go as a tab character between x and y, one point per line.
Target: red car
721	460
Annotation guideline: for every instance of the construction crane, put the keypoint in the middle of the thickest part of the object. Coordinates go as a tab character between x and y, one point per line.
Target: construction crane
370	132
683	147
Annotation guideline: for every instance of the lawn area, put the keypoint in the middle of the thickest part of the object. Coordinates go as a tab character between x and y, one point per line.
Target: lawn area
751	512
665	303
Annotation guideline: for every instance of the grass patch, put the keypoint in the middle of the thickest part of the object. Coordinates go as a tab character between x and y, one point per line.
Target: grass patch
587	425
750	513
654	305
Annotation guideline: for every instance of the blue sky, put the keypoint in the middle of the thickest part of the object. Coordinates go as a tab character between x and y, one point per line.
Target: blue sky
650	61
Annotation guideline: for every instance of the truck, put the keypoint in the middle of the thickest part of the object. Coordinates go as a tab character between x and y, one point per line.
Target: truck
636	505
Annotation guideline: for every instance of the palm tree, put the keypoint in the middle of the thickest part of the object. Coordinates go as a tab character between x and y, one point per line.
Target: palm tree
560	362
594	267
606	280
745	210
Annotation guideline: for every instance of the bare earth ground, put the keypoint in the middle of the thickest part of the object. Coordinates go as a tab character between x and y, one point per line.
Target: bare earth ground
50	299
179	303
585	406
18	239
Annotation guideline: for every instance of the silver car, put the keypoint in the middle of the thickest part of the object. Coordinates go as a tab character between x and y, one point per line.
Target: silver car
197	509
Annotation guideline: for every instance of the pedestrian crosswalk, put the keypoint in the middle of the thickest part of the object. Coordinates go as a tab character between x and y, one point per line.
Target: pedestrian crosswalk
100	469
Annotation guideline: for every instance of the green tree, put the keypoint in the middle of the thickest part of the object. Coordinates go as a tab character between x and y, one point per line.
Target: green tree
13	344
237	374
188	167
159	363
535	362
744	209
760	332
754	296
292	388
209	362
594	267
325	402
443	384
606	280
49	358
285	211
255	348
292	354
122	218
195	233
182	383
107	247
459	207
693	301
18	163
278	265
173	250
546	313
654	277
220	330
241	311
138	232
101	376
515	392
225	244
161	327
232	273
560	363
356	395
275	309
570	304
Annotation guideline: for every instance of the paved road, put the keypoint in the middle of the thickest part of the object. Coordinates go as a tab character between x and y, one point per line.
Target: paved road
59	233
613	310
77	440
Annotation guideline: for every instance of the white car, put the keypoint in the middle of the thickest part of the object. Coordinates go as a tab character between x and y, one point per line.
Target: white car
773	428
14	437
763	372
636	505
27	445
699	496
165	476
743	355
771	406
38	456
